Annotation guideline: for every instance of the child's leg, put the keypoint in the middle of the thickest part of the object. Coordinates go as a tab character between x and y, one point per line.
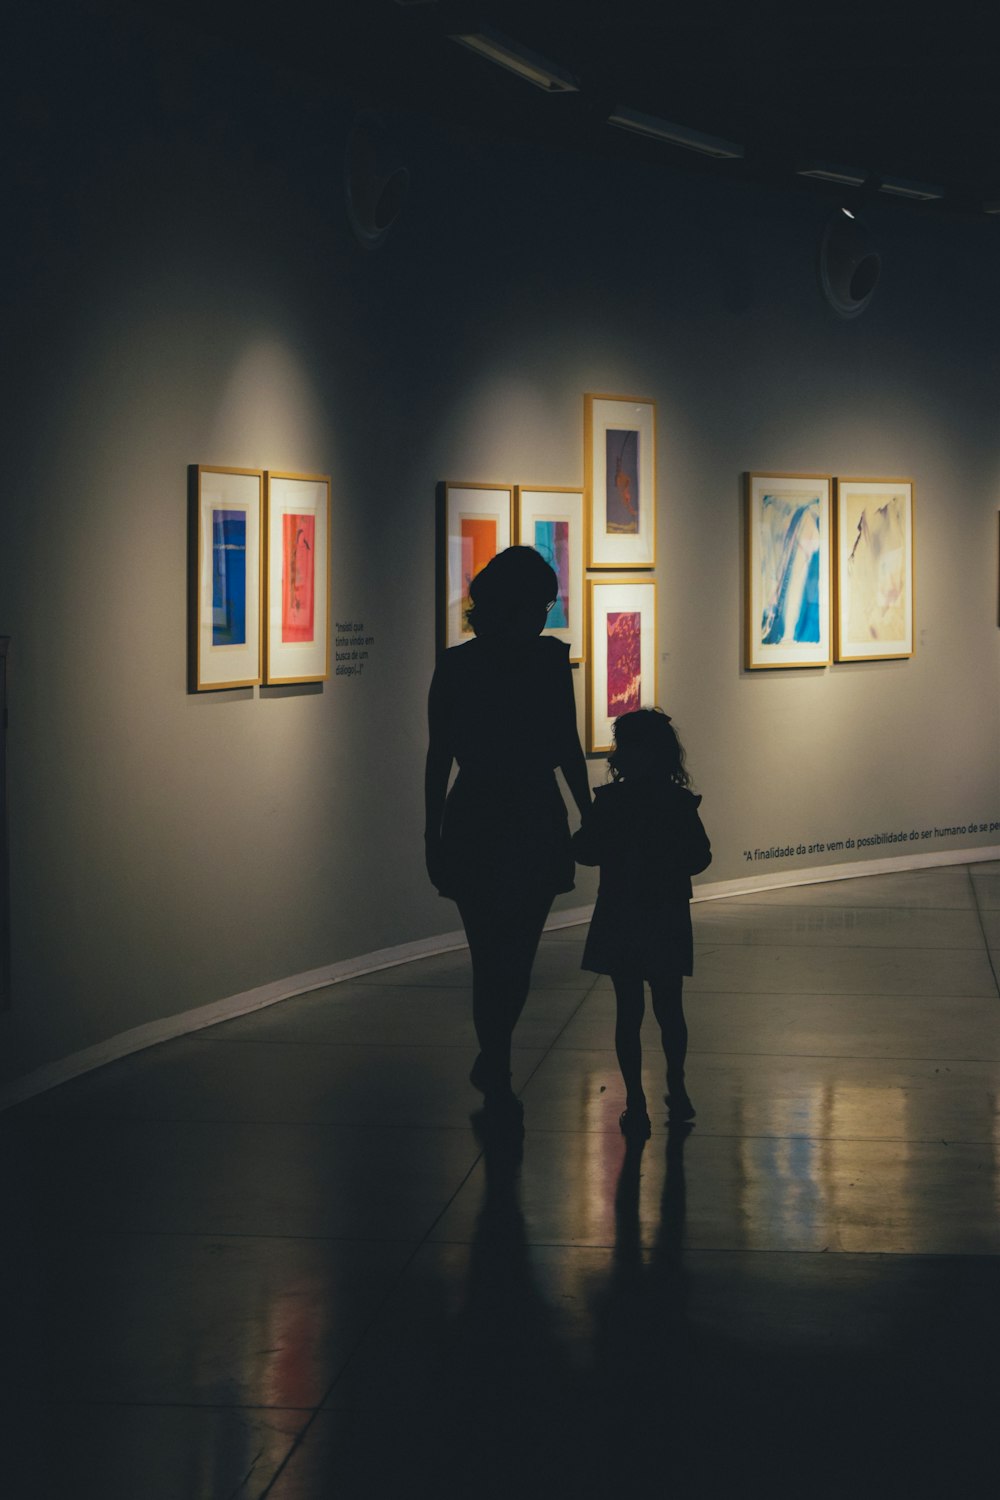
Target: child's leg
628	1044
668	1009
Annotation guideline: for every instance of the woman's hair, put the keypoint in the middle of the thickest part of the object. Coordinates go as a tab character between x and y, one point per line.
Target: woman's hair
517	582
649	732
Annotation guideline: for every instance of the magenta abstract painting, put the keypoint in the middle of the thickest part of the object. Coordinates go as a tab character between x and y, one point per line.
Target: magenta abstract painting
624	662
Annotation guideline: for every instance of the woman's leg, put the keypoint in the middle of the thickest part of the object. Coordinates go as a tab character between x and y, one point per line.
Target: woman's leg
631	1007
668	1008
503	940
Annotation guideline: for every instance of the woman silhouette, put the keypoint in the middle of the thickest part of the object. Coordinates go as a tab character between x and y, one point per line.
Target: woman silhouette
502	706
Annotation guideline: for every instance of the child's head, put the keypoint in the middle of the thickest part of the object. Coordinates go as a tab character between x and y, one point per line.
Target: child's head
647	748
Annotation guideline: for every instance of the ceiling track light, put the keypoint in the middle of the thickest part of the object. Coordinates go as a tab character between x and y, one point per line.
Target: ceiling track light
920	192
842	176
674	135
517	59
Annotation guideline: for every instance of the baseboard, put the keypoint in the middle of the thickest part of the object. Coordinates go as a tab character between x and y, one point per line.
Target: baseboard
784	879
138	1038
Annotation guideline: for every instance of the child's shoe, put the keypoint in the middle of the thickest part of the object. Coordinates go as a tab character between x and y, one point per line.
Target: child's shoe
678	1101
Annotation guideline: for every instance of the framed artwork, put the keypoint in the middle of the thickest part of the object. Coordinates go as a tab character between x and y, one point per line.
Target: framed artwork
297	578
225	621
621	653
788	570
551	521
873	605
619	479
476	524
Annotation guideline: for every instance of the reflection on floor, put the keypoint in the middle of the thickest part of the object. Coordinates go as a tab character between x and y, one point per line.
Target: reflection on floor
273	1259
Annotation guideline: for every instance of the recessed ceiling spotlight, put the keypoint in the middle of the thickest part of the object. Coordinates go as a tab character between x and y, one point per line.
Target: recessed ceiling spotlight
517	59
899	187
674	135
849	265
824	172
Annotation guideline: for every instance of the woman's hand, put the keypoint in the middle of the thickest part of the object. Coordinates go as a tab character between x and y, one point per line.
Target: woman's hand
433	859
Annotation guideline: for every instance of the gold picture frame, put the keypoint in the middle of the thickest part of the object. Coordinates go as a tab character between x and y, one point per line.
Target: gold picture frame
475	522
225	574
550	519
787	576
296	577
874	576
621	653
619	481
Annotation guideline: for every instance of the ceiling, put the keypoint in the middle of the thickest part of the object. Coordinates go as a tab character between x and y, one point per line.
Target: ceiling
874	85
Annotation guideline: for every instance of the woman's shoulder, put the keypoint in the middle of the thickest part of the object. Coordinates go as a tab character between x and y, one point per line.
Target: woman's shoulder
459	658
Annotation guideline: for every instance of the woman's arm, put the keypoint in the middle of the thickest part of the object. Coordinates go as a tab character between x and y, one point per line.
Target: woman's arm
436	774
574	768
572	762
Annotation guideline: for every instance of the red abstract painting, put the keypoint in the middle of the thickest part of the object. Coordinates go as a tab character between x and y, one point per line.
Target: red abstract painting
298	578
624	662
479	544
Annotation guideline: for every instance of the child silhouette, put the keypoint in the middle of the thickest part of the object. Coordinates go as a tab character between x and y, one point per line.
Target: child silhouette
644	832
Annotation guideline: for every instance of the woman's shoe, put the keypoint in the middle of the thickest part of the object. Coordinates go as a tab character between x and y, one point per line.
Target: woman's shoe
503	1110
634	1124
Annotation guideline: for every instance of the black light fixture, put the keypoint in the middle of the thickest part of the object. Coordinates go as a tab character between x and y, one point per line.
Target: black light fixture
849	264
674	135
828	172
901	187
375	181
498	49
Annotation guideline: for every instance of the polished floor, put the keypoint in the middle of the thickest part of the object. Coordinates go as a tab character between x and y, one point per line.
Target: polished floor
274	1260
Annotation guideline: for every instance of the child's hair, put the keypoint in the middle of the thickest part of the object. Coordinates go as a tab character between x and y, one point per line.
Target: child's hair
649	730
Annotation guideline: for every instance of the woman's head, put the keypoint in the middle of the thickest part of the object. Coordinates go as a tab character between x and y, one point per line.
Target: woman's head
512	594
646	746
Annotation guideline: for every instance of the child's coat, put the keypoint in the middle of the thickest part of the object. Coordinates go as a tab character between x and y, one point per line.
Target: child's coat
648	841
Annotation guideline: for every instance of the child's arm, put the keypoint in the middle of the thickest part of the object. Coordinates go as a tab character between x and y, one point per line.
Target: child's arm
697	849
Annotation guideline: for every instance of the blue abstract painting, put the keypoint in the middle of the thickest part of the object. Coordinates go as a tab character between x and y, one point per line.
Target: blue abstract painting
229	578
789	553
552	541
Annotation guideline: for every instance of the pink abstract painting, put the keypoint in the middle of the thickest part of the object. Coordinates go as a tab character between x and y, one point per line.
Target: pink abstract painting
624	662
298	578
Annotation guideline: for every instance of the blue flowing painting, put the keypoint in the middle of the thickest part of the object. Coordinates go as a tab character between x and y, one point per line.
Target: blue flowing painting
229	578
789	535
552	541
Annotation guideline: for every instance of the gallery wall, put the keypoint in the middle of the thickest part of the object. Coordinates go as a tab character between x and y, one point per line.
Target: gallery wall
188	290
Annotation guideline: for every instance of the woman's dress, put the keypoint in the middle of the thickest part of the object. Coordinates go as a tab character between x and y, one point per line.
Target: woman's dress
506	712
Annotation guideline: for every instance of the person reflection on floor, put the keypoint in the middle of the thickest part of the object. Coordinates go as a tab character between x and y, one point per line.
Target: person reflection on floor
514	1397
642	1334
502	706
